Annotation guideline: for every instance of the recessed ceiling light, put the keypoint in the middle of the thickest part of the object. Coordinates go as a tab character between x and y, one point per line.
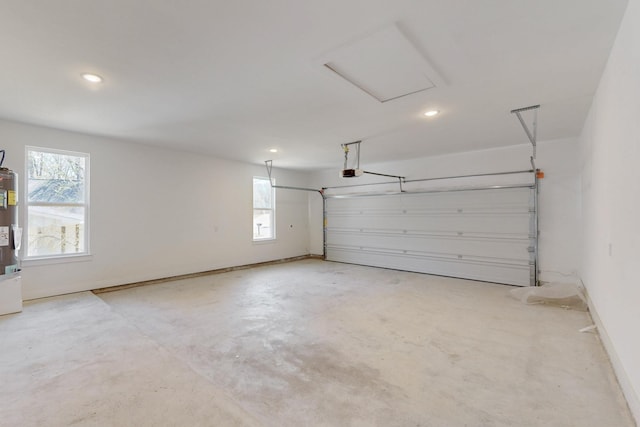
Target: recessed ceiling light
431	113
274	150
93	78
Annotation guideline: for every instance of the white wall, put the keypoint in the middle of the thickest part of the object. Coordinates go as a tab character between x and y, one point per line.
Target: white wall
158	213
559	195
610	143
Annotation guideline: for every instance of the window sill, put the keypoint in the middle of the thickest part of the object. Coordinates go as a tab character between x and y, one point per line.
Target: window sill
264	241
62	259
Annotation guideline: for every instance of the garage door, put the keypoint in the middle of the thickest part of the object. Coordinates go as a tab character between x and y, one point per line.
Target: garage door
480	234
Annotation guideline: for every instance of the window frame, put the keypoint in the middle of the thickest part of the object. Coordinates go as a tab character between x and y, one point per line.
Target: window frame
60	257
272	209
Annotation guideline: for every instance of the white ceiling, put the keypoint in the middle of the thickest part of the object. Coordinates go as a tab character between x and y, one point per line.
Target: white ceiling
236	78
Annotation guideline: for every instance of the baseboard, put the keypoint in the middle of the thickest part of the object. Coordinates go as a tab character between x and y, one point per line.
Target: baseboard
630	394
201	273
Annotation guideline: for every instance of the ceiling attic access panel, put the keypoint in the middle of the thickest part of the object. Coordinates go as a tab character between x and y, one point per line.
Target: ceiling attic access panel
385	65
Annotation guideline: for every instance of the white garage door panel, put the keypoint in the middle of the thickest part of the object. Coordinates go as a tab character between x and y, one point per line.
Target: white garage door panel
489	200
476	234
433	223
512	248
484	270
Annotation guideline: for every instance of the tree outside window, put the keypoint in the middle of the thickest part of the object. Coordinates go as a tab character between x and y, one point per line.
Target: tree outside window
57	203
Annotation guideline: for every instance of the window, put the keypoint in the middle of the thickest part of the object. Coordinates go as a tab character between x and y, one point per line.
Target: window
264	201
57	203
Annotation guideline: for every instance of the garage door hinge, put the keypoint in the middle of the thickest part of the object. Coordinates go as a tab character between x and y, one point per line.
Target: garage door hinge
531	249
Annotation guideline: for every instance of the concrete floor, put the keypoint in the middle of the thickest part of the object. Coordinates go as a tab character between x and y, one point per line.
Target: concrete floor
308	343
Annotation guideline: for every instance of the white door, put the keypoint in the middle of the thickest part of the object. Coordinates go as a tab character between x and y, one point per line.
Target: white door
484	234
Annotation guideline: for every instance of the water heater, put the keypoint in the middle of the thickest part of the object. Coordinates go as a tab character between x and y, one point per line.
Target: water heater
10	233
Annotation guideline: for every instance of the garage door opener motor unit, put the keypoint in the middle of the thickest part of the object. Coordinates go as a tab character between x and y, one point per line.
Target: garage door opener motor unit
355	171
